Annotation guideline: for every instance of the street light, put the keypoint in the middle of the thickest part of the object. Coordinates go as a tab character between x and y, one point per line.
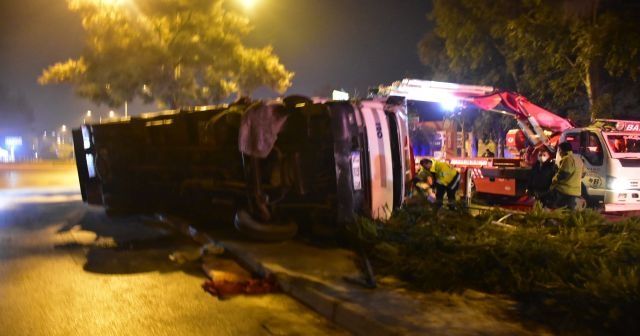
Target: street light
113	3
248	4
62	134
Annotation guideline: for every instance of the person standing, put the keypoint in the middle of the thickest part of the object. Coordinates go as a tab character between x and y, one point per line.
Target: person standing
446	179
542	173
488	153
567	181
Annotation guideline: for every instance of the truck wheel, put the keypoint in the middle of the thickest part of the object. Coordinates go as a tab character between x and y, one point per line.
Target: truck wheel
271	232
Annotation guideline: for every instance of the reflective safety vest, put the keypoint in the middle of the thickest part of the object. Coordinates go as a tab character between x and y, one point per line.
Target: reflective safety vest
571	166
443	172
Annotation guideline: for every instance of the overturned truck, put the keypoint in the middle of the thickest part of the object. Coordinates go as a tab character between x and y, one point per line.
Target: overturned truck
273	168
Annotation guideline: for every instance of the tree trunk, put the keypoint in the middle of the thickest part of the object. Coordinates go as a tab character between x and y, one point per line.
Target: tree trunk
588	84
592	83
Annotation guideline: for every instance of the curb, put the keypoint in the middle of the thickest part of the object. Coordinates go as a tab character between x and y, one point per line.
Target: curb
350	316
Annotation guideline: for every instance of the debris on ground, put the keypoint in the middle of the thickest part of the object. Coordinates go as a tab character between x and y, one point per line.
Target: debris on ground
224	269
228	279
195	253
225	289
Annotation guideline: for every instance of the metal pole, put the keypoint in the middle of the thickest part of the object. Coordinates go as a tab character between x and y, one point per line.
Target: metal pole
464	138
467	189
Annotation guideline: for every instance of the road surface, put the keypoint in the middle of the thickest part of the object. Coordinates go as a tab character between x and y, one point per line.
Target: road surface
67	269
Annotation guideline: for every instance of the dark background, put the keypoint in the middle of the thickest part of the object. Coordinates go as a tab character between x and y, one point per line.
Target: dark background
329	44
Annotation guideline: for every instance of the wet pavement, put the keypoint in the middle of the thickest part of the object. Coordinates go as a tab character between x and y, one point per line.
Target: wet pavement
67	269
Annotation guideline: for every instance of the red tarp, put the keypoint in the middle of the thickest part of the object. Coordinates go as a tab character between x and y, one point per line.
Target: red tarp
224	289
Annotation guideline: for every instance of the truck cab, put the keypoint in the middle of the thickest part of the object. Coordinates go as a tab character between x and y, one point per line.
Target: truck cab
610	150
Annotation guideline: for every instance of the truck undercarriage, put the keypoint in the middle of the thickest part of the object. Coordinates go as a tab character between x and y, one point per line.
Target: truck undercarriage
272	168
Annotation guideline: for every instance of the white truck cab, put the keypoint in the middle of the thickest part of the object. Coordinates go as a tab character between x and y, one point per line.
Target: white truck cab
610	150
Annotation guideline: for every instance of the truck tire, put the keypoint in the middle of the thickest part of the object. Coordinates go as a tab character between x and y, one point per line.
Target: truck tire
271	232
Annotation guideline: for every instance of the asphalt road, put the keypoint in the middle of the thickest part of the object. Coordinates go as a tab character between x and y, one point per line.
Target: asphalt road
67	269
39	175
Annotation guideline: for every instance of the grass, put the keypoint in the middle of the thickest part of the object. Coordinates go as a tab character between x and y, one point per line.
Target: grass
575	272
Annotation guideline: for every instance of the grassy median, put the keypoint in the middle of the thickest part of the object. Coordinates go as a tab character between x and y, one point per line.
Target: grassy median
574	272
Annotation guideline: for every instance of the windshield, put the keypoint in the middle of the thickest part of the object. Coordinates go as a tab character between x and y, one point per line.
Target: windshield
624	144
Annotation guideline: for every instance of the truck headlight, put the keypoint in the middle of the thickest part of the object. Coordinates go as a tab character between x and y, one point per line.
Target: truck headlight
617	183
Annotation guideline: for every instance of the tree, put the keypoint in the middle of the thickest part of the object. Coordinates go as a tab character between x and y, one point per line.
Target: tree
173	52
565	55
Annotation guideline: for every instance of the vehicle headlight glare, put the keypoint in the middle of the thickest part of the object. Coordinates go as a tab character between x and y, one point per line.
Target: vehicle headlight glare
617	183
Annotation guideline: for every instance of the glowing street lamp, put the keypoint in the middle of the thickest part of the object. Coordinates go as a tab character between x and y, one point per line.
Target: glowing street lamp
248	4
113	3
87	116
63	132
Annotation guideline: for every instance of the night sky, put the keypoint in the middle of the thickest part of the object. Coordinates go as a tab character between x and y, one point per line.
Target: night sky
349	44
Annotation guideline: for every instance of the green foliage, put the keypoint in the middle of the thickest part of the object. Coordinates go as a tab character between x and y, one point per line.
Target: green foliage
566	55
494	126
575	271
363	230
176	53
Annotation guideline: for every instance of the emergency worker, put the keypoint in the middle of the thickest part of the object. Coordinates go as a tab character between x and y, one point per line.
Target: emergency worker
542	173
445	179
567	181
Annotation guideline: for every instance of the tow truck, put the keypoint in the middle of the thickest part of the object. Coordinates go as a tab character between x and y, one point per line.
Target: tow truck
273	168
610	149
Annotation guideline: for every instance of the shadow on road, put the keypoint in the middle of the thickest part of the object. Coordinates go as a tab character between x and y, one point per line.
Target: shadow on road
126	245
123	261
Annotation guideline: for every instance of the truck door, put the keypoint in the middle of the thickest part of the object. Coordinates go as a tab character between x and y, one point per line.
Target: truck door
588	147
592	153
84	151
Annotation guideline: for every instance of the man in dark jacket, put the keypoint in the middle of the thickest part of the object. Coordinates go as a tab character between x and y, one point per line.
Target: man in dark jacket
541	176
